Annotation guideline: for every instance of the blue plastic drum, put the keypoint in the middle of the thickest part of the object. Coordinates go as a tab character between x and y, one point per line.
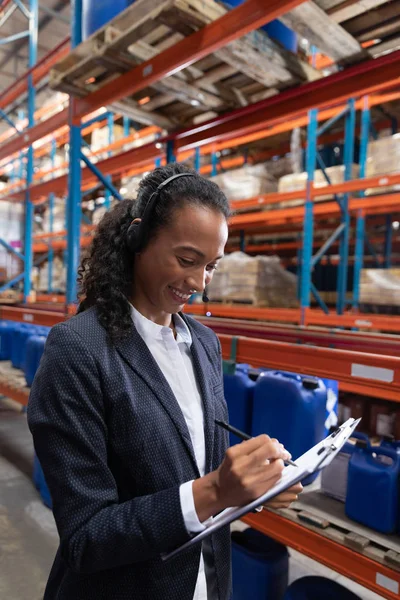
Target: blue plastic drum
260	566
318	588
96	13
33	353
6	331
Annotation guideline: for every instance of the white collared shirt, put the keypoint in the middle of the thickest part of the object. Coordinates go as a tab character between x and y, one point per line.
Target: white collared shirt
174	358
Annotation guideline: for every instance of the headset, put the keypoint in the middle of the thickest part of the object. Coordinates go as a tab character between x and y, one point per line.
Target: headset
137	232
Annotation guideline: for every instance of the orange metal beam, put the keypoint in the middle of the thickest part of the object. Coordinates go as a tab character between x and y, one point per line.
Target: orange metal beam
368	322
31	316
109	166
39	71
371	374
386	203
364	78
234	24
341	559
18	395
34	133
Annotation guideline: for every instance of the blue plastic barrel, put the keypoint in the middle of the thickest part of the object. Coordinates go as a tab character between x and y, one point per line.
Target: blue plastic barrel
318	588
275	29
259	566
372	488
19	339
40	482
291	408
96	13
390	442
282	34
238	391
33	353
6	332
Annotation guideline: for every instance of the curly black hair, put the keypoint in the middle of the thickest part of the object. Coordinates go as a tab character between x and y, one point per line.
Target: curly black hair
105	276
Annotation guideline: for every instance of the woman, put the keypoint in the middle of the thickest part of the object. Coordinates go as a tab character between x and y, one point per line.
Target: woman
123	408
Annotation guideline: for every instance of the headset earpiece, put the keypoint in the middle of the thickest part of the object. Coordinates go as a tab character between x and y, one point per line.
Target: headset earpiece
133	236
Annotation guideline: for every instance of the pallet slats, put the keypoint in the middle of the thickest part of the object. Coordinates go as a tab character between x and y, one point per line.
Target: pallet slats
216	83
311	22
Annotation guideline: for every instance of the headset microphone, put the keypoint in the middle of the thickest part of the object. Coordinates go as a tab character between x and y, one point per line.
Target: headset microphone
205	297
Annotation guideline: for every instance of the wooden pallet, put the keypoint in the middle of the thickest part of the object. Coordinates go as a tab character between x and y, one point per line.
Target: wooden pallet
327	516
13	384
247	70
251	301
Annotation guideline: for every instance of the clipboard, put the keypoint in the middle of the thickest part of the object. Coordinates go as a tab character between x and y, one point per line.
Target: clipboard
315	459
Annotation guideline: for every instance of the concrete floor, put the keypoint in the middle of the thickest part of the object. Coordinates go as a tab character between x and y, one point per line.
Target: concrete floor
28	535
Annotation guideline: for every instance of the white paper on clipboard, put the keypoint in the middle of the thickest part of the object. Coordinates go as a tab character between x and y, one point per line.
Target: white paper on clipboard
314	460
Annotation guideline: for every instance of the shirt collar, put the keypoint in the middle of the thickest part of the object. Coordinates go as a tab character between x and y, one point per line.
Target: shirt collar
148	329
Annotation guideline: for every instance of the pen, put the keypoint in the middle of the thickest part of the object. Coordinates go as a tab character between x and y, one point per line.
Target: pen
245	436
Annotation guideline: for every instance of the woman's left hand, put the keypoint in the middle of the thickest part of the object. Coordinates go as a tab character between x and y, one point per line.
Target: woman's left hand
285	499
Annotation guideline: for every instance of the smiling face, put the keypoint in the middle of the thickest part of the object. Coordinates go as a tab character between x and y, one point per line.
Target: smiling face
178	261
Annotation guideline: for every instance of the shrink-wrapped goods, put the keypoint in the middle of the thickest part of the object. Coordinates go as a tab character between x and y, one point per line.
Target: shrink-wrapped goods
383	159
380	287
298	181
246	182
258	280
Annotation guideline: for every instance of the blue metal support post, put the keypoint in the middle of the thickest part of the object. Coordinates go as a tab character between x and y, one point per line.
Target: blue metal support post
51	221
127	125
110	125
74	180
360	220
103	178
388	242
214	163
197	159
28	251
306	255
350	121
170	152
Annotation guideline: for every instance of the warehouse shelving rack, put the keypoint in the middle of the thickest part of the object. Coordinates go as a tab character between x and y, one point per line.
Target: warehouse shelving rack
360	372
373	76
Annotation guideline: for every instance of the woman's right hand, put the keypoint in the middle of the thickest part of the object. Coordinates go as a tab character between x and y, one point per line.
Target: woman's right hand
249	470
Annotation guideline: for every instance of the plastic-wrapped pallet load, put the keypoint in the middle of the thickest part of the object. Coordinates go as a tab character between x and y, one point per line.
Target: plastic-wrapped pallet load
258	280
380	287
246	182
100	137
298	181
383	159
58	279
42	225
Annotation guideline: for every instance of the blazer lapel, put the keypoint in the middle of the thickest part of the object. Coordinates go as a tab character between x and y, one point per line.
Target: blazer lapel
135	352
201	361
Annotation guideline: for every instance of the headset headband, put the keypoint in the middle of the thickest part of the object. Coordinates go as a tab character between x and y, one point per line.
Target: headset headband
149	206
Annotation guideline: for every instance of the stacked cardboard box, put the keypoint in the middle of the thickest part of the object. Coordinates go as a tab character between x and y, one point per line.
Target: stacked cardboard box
246	182
100	137
259	280
298	181
383	159
59	275
380	286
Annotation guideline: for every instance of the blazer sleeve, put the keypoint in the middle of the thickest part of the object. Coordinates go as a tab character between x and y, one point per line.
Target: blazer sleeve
66	415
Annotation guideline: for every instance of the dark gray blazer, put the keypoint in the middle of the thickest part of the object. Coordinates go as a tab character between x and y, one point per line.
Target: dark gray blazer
114	447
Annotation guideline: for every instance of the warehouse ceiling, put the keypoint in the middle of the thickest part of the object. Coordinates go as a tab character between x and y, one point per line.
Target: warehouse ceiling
368	28
54	26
